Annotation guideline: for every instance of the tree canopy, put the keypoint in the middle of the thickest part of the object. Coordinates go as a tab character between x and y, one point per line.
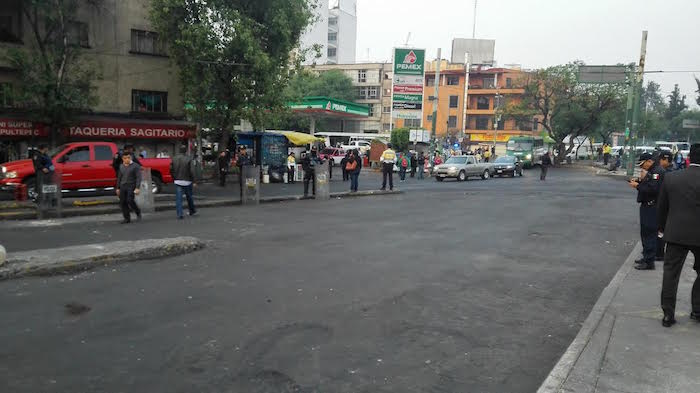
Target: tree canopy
400	137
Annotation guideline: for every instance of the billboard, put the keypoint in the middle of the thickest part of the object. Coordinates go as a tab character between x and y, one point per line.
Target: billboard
407	90
480	51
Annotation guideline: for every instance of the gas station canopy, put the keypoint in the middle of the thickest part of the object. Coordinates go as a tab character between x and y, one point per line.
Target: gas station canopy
329	107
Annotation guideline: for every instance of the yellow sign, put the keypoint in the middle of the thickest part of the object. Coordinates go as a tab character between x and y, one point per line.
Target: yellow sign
488	138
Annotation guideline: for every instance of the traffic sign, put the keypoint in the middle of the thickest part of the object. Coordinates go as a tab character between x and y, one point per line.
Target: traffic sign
602	74
691	123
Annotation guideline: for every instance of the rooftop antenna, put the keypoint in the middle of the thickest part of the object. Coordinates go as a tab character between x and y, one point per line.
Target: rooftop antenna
474	23
408	38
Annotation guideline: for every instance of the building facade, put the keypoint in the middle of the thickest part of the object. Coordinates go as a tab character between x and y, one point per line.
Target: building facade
137	84
372	82
317	34
335	33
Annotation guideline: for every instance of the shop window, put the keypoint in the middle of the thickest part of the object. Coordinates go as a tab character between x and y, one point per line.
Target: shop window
77	34
454	101
103	153
79	154
149	101
147	42
452	80
452	122
483	103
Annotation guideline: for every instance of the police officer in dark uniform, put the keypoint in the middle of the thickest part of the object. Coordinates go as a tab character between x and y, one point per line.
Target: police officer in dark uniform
648	188
308	164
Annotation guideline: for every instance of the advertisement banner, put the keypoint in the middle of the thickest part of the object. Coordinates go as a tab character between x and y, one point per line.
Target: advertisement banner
408	82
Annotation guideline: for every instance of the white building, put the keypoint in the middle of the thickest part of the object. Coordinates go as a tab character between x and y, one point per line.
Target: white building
335	32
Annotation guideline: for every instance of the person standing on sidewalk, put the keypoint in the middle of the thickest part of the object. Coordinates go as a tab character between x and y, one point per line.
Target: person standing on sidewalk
414	164
421	165
181	169
291	166
544	167
679	225
222	162
343	164
606	154
403	166
308	164
665	164
128	183
388	159
648	188
353	167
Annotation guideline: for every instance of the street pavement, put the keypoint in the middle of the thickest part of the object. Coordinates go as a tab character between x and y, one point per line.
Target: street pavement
478	286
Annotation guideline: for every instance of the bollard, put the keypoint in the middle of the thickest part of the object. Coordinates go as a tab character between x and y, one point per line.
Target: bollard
3	255
323	192
250	185
145	200
48	189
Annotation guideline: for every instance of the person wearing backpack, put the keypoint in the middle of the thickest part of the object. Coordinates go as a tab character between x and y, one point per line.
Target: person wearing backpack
403	165
353	167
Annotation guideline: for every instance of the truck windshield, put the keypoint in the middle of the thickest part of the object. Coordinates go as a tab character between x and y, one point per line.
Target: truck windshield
519	146
456	160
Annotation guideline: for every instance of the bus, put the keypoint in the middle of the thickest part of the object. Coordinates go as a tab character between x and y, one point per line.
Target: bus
343	138
529	149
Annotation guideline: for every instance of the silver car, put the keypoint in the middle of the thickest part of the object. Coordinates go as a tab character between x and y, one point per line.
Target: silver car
463	167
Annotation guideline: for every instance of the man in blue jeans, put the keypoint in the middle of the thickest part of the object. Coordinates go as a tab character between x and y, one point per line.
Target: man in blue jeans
181	169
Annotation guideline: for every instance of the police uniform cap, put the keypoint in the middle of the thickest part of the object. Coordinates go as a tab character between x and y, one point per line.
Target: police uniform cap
645	157
665	154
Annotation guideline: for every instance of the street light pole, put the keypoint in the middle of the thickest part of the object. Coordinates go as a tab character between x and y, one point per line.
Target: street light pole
433	132
634	131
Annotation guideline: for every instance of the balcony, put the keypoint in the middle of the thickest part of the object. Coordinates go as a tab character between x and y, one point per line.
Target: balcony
481	112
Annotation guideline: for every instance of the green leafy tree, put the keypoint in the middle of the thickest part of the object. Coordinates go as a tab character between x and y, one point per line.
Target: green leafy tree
400	138
564	107
676	103
55	80
698	90
234	56
652	99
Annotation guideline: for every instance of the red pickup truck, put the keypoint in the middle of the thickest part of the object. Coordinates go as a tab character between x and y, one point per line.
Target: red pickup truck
83	165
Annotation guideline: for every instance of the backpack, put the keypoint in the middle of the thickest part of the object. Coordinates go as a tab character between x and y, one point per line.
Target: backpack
404	162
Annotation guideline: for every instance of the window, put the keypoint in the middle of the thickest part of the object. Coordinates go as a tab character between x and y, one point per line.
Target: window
452	80
373	92
430	81
362	93
386	109
147	42
371	110
430	118
10	28
332	21
103	153
78	154
386	126
5	95
362	76
332	52
149	101
488	84
414	123
387	92
509	83
332	36
452	121
431	98
483	103
482	123
454	101
501	124
77	34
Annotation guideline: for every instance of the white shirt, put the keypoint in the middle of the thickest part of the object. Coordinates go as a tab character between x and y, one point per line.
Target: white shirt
183	183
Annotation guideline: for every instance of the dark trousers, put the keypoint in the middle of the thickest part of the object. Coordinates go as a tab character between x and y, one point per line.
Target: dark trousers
660	248
606	158
543	173
346	175
413	171
222	178
648	232
309	177
128	203
290	175
354	177
330	172
673	267
388	171
402	173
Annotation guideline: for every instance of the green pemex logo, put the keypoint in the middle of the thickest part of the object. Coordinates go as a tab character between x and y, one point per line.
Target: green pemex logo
409	62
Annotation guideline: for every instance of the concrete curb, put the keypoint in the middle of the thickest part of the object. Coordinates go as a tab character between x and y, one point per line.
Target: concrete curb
559	374
85	257
107	209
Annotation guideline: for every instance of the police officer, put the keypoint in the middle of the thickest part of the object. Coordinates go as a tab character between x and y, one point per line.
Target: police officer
308	164
388	159
665	163
648	188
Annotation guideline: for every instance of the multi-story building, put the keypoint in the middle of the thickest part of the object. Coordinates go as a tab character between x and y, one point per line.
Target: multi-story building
373	83
138	89
335	32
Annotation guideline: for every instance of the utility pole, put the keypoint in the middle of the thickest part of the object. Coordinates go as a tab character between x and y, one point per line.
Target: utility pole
634	131
435	101
474	23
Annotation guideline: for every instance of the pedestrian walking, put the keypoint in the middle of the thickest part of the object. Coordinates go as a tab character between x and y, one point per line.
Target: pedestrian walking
343	162
388	159
181	169
606	153
222	162
414	164
44	170
678	161
353	167
403	166
291	167
117	161
243	160
648	187
308	164
665	164
421	165
330	168
544	166
128	183
679	225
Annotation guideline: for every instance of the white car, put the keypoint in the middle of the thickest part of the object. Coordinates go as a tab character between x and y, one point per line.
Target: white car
361	146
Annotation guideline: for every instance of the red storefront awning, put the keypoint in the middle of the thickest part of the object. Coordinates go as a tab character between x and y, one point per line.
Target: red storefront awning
102	129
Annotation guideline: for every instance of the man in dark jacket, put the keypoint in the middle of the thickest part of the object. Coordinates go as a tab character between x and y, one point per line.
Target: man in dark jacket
544	167
679	224
222	162
421	165
343	162
117	161
242	160
648	188
128	183
414	164
308	164
181	169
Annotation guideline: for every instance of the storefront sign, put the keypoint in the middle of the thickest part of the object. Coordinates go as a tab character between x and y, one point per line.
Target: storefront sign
407	92
100	130
21	128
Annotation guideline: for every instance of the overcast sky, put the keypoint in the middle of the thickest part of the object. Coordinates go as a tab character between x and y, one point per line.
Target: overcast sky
539	33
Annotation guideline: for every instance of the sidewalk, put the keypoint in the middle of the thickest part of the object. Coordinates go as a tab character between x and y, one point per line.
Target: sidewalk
622	347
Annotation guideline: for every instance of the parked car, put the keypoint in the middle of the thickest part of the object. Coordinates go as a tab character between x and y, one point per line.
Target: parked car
462	168
83	165
508	166
360	146
334	154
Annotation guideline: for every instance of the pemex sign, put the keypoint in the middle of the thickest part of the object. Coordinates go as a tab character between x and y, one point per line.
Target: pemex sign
407	94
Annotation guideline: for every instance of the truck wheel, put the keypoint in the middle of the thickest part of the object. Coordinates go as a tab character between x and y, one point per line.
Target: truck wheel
462	176
32	193
156	184
485	175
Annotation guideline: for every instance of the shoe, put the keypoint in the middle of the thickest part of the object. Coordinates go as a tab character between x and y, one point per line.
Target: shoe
668	321
382	189
695	316
180	217
645	266
125	222
192	214
639	261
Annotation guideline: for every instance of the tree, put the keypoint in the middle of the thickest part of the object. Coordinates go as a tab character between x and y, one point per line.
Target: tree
698	90
400	138
652	100
234	56
564	107
55	78
676	103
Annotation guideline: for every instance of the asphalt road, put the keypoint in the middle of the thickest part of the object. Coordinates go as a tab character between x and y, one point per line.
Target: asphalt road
449	287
